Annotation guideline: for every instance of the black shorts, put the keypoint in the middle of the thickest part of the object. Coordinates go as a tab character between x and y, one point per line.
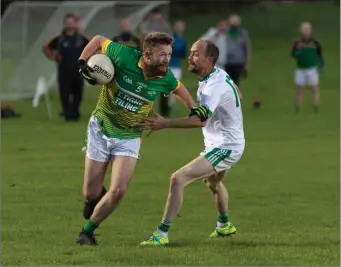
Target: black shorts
236	71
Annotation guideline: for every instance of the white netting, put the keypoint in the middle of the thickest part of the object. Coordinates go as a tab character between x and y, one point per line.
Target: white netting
26	26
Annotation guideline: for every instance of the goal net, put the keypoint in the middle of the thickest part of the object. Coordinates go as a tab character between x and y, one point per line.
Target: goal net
26	26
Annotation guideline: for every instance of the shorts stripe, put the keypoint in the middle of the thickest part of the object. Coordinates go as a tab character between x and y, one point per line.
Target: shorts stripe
217	155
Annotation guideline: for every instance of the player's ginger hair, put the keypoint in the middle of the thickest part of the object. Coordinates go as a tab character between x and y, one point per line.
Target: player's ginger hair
154	38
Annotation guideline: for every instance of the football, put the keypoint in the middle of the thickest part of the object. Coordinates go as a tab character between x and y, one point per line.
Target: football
103	68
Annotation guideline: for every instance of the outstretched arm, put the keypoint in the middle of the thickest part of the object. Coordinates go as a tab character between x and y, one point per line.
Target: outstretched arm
189	122
198	118
184	96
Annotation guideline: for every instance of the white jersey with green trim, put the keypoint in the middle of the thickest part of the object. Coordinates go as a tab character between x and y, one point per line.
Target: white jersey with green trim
224	128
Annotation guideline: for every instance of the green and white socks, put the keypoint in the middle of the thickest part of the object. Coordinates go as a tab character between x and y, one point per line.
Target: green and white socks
223	219
163	227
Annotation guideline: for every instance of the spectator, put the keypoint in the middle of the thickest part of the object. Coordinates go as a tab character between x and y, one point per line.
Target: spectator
218	37
308	54
179	53
238	50
65	49
155	23
126	36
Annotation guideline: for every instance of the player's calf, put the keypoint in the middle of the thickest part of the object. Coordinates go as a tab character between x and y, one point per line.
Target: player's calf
122	171
198	169
108	203
90	204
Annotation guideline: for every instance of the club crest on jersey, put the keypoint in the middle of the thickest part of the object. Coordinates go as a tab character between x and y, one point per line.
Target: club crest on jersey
127	79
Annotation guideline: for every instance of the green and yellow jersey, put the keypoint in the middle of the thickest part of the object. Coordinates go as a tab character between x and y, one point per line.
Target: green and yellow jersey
129	98
308	54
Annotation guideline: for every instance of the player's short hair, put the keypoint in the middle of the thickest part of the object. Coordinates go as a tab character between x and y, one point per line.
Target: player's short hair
212	51
154	38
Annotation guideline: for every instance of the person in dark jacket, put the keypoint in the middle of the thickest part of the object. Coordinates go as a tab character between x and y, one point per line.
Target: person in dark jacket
65	49
126	37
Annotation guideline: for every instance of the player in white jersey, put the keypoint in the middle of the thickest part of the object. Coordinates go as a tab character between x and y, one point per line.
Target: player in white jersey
221	119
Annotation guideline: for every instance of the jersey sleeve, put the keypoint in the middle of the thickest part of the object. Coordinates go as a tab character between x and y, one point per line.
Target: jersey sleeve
113	50
172	83
51	48
210	97
295	50
318	49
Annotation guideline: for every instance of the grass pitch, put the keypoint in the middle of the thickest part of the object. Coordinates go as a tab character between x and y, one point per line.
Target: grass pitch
284	193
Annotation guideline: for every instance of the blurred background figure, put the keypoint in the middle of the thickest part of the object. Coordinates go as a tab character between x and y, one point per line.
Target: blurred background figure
218	36
238	50
79	26
308	54
179	53
126	37
65	50
155	22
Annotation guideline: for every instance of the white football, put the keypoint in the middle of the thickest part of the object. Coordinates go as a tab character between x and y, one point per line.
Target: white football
103	68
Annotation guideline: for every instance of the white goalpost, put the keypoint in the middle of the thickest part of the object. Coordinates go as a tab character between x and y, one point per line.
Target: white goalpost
26	26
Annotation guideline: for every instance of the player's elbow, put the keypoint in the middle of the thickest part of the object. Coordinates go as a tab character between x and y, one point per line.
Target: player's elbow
99	40
47	52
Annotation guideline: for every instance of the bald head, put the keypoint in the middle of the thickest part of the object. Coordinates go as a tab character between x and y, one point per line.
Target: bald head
204	55
235	20
125	25
306	29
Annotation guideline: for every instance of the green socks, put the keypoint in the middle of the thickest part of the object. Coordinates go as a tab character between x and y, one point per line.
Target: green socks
223	219
90	227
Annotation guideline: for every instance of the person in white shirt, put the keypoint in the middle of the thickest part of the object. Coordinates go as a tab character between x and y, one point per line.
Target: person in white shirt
220	116
218	36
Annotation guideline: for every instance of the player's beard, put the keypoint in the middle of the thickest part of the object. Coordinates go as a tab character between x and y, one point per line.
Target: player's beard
194	68
158	69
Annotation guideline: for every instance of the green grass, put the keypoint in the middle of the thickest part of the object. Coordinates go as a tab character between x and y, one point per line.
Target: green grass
284	193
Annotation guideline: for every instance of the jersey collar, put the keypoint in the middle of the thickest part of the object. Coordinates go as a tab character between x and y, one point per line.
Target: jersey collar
140	65
206	77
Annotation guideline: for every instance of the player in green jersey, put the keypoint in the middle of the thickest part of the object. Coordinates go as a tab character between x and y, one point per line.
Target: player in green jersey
308	54
114	134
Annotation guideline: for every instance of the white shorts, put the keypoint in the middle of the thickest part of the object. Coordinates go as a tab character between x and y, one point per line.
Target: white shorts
306	77
101	148
177	72
222	159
